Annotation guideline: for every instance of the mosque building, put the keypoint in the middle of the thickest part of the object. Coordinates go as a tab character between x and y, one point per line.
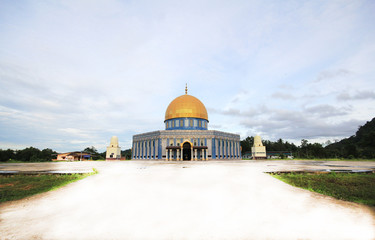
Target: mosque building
186	136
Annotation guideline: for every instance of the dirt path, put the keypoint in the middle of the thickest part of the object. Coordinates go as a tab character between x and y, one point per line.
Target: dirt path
148	200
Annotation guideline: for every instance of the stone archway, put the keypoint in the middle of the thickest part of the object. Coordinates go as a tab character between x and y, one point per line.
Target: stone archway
186	151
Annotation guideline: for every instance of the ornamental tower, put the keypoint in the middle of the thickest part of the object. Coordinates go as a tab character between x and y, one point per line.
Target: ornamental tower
113	150
258	151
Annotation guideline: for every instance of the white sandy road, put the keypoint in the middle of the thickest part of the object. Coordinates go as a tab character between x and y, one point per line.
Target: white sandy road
194	200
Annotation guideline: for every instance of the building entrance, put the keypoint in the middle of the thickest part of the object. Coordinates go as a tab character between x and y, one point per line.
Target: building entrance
186	148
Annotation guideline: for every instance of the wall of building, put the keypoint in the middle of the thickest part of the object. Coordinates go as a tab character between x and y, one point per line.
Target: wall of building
258	152
114	151
186	124
224	145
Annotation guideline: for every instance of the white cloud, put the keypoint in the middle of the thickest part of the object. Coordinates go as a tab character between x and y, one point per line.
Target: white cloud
359	95
103	68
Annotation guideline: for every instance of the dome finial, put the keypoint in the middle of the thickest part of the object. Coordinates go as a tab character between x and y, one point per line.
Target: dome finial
186	89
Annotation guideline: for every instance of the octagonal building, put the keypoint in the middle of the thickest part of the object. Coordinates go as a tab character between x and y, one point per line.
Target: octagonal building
186	136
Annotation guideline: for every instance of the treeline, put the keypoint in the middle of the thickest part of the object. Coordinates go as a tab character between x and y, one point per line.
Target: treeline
29	154
32	154
101	156
360	145
305	150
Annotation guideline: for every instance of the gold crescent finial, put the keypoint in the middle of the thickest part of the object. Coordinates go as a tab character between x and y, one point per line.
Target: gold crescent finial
186	89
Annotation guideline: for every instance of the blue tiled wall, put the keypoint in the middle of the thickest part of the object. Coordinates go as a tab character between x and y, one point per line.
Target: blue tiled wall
168	124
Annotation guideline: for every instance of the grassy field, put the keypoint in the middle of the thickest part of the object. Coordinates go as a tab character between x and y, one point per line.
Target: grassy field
316	159
355	187
337	159
14	187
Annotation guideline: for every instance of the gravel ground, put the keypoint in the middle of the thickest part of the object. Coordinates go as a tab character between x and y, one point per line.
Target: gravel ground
184	200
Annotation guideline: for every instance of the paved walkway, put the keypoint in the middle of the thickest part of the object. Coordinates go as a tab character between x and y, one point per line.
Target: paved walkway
184	200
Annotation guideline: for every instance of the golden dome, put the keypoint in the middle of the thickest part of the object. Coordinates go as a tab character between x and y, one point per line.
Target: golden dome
186	106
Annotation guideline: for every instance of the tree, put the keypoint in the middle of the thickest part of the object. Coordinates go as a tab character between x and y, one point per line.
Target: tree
94	152
362	144
47	154
28	154
6	155
127	153
246	144
328	142
304	143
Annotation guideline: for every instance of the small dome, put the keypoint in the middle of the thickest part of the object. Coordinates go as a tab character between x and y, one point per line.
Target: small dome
186	106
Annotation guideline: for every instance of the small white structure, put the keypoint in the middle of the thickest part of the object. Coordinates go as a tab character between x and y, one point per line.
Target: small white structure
113	150
258	151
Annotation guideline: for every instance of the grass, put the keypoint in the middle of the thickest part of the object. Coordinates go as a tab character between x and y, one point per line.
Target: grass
354	187
13	161
335	159
14	187
317	159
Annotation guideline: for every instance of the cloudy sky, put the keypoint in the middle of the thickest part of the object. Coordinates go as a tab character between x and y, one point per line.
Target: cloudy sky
74	73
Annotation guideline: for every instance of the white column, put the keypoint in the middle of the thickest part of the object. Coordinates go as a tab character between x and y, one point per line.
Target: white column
167	155
140	150
152	148
178	154
236	151
196	154
231	149
239	150
218	149
191	158
226	149
143	149
222	149
135	150
148	149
